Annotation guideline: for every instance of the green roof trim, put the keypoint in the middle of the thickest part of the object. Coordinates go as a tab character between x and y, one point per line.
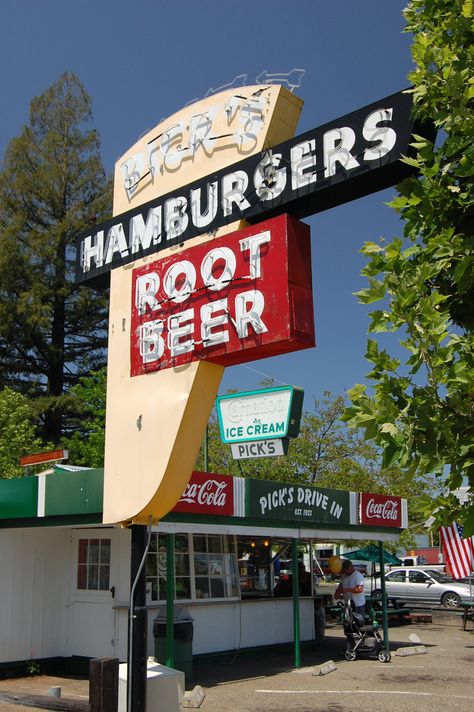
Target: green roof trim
18	497
69	493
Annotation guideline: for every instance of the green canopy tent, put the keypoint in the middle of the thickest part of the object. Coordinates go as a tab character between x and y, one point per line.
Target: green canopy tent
371	553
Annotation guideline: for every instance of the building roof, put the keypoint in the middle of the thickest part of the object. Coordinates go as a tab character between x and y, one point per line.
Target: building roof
69	495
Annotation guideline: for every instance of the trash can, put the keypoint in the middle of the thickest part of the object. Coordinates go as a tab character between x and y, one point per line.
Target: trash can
183	631
164	688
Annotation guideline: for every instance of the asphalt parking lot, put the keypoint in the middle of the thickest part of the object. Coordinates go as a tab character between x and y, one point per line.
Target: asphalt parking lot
441	679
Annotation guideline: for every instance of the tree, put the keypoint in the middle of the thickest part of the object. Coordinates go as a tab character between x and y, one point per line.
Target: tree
52	186
86	446
421	411
17	433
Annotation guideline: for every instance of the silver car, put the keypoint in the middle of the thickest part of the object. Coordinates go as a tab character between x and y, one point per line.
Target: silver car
415	585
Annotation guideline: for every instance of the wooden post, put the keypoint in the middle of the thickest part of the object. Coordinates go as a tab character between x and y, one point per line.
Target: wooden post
103	684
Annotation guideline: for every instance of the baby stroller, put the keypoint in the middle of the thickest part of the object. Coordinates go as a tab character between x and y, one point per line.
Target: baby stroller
361	638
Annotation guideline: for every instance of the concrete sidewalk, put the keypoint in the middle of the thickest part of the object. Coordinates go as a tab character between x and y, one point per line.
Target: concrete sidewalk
439	680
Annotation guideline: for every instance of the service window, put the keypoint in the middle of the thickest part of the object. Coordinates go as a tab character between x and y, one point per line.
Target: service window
205	567
156	567
256	567
215	567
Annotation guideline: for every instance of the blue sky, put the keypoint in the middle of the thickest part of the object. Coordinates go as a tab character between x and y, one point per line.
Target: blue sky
141	61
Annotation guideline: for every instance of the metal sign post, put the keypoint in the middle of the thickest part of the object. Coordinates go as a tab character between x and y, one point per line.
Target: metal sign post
137	636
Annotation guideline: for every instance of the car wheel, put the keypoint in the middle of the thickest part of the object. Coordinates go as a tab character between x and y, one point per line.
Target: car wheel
451	600
384	656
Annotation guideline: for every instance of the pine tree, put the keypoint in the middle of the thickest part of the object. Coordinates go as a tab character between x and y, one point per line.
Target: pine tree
52	185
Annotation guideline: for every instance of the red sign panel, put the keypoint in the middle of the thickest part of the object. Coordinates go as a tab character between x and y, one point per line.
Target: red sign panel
42	457
380	510
234	299
208	493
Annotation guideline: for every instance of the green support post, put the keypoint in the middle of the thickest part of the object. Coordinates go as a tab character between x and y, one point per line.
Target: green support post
384	597
170	600
296	602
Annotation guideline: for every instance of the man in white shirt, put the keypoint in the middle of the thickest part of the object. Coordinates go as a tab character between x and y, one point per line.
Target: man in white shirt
351	587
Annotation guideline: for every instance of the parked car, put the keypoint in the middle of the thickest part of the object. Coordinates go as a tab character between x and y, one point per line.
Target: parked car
416	585
466	580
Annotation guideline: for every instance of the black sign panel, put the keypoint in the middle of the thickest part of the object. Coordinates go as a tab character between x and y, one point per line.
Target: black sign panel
345	159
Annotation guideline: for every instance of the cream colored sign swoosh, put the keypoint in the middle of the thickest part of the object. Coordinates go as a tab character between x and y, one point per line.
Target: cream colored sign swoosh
155	422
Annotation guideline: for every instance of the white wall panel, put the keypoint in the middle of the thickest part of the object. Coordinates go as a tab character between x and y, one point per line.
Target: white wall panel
34	565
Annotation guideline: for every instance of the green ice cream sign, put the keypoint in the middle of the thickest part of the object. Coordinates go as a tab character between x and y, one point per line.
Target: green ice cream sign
260	415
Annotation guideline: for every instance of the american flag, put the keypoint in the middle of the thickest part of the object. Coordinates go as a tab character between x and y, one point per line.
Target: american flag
459	552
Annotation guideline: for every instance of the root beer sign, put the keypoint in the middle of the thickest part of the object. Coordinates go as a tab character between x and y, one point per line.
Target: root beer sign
193	288
231	300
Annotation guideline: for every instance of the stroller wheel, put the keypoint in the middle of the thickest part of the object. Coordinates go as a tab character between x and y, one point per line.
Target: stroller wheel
350	654
384	656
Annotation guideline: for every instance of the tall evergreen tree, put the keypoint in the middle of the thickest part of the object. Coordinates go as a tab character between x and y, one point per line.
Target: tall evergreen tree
52	185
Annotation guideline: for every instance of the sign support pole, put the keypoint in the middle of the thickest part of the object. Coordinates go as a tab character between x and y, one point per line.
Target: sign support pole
170	600
137	643
296	602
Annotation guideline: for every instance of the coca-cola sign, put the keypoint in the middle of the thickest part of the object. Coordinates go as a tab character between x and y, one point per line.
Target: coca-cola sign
380	510
208	493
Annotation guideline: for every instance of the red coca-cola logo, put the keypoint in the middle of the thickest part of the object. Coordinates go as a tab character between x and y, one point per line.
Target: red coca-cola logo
207	494
380	509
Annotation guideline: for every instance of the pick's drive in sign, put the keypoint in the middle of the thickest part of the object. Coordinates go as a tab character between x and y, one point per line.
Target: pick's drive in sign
314	505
